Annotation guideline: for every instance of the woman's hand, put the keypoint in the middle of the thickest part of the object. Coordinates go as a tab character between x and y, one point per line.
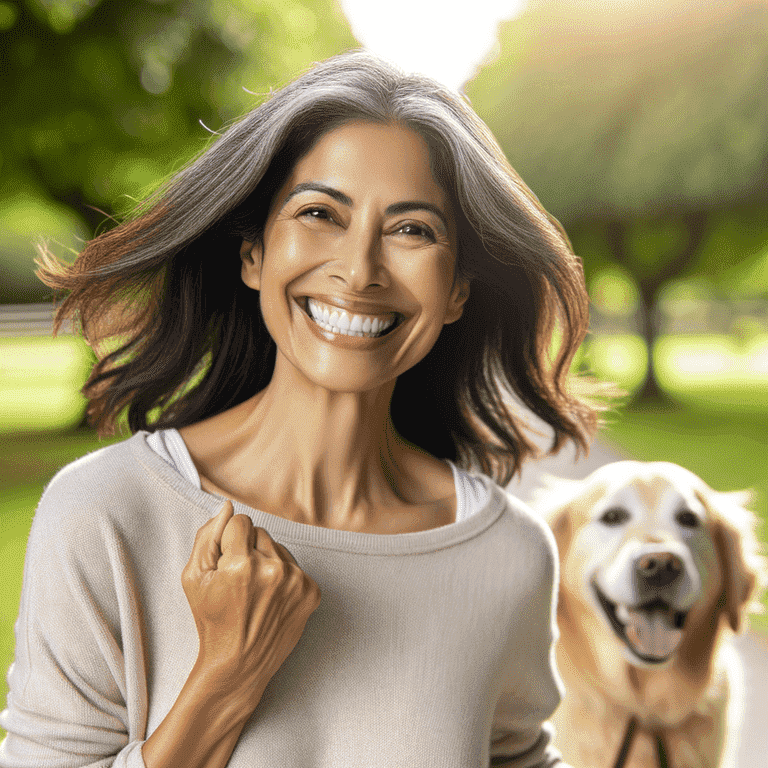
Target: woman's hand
250	601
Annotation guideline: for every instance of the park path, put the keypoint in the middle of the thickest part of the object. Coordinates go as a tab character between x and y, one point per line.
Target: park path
751	741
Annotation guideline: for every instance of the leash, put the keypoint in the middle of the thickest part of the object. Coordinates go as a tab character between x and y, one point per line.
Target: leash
626	744
629	735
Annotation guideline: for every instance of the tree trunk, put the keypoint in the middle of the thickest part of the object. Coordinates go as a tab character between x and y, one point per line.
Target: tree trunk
670	266
650	391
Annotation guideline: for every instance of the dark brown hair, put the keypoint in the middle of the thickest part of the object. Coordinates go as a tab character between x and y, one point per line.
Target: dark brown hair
163	289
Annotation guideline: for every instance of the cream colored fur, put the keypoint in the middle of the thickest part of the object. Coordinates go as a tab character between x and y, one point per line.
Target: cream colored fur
687	696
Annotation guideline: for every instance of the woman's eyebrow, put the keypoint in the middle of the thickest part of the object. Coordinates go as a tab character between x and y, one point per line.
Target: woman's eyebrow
392	210
314	186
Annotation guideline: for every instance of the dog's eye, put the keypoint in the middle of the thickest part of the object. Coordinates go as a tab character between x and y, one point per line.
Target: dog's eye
686	518
614	516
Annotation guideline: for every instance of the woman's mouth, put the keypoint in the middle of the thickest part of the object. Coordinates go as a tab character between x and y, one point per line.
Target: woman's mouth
342	322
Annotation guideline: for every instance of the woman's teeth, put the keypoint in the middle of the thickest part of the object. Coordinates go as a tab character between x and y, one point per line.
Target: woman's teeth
338	321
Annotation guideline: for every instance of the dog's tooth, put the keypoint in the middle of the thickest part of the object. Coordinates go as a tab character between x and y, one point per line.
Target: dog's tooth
622	614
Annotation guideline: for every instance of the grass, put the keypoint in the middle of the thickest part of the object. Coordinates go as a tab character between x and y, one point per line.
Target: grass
40	379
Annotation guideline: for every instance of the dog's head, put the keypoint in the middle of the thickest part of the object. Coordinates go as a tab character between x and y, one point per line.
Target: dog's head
655	554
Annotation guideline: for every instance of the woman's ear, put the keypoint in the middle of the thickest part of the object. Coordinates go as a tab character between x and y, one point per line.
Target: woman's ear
251	255
459	295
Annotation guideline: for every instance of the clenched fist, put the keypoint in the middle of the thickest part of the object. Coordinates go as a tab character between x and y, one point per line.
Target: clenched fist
250	601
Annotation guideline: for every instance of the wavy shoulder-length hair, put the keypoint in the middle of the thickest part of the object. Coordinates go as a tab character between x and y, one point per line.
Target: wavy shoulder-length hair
163	289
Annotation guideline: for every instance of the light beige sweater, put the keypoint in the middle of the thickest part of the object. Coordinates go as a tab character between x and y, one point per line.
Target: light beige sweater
428	649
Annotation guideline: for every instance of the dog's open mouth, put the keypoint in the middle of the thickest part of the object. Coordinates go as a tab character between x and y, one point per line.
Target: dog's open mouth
653	631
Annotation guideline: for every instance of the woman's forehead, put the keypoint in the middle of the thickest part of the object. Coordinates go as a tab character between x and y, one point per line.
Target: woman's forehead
371	157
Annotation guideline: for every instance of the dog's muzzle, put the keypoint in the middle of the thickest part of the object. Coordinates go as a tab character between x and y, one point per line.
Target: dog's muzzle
652	628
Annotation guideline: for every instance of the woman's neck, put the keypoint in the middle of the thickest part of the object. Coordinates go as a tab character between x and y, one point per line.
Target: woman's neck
324	458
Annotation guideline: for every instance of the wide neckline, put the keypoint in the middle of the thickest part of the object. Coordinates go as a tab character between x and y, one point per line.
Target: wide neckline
328	538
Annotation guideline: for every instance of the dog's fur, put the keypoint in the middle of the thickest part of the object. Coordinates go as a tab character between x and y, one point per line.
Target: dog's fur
630	534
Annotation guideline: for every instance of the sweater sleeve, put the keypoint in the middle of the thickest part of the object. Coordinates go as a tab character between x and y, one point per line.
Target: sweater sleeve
74	699
521	736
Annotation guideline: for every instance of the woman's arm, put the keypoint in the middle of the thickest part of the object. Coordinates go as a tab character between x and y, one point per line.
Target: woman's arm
521	736
251	603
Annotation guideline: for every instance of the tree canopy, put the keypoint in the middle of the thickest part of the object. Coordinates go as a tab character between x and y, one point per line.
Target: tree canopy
100	100
649	108
642	127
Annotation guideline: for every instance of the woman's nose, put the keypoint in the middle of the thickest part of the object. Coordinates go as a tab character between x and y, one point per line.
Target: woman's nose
359	261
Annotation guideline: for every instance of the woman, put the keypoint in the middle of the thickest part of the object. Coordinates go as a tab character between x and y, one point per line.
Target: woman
397	286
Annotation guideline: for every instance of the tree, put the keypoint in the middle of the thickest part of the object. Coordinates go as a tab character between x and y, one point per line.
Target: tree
101	99
641	128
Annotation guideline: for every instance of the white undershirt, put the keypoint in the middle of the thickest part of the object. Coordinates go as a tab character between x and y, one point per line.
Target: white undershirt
471	493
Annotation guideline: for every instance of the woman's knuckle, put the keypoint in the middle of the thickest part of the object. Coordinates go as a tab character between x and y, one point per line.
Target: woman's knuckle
240	566
294	576
308	590
271	570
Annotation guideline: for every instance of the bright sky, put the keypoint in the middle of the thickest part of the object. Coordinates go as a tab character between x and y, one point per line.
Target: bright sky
446	40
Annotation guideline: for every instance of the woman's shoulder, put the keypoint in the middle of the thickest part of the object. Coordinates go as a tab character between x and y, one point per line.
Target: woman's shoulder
528	529
97	483
100	468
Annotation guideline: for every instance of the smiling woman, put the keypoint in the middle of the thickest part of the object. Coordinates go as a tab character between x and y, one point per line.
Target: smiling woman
378	250
324	322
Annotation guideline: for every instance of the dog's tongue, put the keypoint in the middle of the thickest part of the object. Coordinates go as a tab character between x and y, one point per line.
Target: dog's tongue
652	632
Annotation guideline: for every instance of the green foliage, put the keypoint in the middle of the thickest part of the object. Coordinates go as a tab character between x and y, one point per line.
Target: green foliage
619	358
643	132
735	251
100	100
721	374
614	292
28	217
624	111
648	239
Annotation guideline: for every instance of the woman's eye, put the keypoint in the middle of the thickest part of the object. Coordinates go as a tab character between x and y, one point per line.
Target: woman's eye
417	230
320	214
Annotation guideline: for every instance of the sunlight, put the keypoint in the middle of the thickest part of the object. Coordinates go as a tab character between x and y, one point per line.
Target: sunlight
426	38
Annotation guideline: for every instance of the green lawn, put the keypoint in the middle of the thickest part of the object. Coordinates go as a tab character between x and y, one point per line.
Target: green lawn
39	380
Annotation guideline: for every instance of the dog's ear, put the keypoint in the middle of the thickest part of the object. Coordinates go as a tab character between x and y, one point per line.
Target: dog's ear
744	569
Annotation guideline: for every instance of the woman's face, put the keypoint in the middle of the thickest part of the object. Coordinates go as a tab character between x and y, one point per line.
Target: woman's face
357	263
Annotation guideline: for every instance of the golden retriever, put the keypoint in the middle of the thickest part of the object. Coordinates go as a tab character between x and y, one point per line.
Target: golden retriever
656	569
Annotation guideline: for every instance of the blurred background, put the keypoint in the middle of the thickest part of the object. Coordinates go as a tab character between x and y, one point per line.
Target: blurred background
641	126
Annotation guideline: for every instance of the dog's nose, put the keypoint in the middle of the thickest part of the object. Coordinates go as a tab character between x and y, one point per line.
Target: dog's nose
659	569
